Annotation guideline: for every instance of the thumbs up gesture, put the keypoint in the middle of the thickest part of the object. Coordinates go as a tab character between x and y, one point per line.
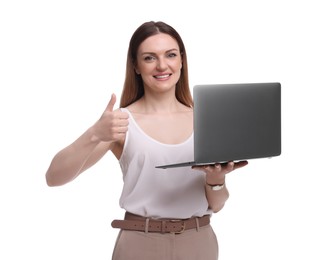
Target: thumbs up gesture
113	124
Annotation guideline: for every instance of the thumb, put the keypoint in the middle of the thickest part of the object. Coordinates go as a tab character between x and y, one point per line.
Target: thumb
111	103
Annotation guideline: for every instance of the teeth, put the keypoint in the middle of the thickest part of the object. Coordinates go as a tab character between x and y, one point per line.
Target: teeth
162	76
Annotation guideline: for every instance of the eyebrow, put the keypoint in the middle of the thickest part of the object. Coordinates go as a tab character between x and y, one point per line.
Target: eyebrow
147	52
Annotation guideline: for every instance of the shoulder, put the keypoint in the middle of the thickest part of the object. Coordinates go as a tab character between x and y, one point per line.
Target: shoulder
185	110
134	107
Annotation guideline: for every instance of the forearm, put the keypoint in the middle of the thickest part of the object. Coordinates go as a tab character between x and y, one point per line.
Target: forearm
215	174
69	162
216	198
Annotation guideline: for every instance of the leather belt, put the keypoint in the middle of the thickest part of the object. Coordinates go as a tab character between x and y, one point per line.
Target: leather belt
177	226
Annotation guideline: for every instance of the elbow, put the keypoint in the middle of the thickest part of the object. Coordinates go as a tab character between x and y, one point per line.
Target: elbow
52	181
49	181
217	208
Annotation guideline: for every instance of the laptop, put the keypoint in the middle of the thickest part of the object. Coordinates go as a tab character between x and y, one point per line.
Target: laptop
234	122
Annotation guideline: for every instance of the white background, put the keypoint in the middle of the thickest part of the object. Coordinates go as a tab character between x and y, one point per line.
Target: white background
61	60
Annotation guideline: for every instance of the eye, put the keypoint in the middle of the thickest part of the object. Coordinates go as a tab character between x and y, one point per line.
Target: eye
172	55
149	58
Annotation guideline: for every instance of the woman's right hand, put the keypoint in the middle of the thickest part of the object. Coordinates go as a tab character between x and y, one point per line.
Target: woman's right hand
112	125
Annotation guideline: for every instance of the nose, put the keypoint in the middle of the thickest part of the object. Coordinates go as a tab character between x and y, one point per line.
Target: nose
161	64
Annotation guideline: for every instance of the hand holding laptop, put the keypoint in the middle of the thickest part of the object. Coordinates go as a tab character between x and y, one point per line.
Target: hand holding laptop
215	173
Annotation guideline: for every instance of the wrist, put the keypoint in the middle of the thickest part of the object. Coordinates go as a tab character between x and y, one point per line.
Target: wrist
215	187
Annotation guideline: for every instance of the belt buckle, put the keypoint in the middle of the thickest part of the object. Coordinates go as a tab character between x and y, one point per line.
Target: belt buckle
183	226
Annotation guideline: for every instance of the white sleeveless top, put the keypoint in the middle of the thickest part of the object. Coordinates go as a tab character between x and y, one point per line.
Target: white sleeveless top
176	193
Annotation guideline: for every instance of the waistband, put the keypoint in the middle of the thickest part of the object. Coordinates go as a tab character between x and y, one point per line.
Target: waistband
176	226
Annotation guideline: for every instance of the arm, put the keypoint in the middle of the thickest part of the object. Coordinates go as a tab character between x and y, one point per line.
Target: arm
106	134
71	161
215	175
217	199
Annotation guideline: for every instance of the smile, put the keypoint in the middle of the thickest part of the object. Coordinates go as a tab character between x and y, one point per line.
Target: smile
164	76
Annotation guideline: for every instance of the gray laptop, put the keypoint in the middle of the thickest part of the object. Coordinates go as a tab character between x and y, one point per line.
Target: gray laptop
234	122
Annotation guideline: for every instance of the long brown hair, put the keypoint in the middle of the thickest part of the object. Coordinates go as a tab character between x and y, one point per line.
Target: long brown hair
133	88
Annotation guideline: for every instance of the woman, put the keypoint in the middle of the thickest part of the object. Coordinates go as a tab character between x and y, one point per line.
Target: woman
167	211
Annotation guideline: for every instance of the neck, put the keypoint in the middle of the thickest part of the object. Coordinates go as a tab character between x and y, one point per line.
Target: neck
161	103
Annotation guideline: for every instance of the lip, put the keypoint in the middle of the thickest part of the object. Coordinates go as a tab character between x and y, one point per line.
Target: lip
162	76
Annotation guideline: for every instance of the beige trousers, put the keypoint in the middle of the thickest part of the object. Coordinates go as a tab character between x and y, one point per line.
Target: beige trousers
192	244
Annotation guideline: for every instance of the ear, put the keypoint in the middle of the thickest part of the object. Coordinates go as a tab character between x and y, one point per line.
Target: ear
136	70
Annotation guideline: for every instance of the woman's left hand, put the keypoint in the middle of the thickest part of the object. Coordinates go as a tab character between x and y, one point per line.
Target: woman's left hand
215	173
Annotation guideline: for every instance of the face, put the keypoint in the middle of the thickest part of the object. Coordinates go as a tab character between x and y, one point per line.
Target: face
159	62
